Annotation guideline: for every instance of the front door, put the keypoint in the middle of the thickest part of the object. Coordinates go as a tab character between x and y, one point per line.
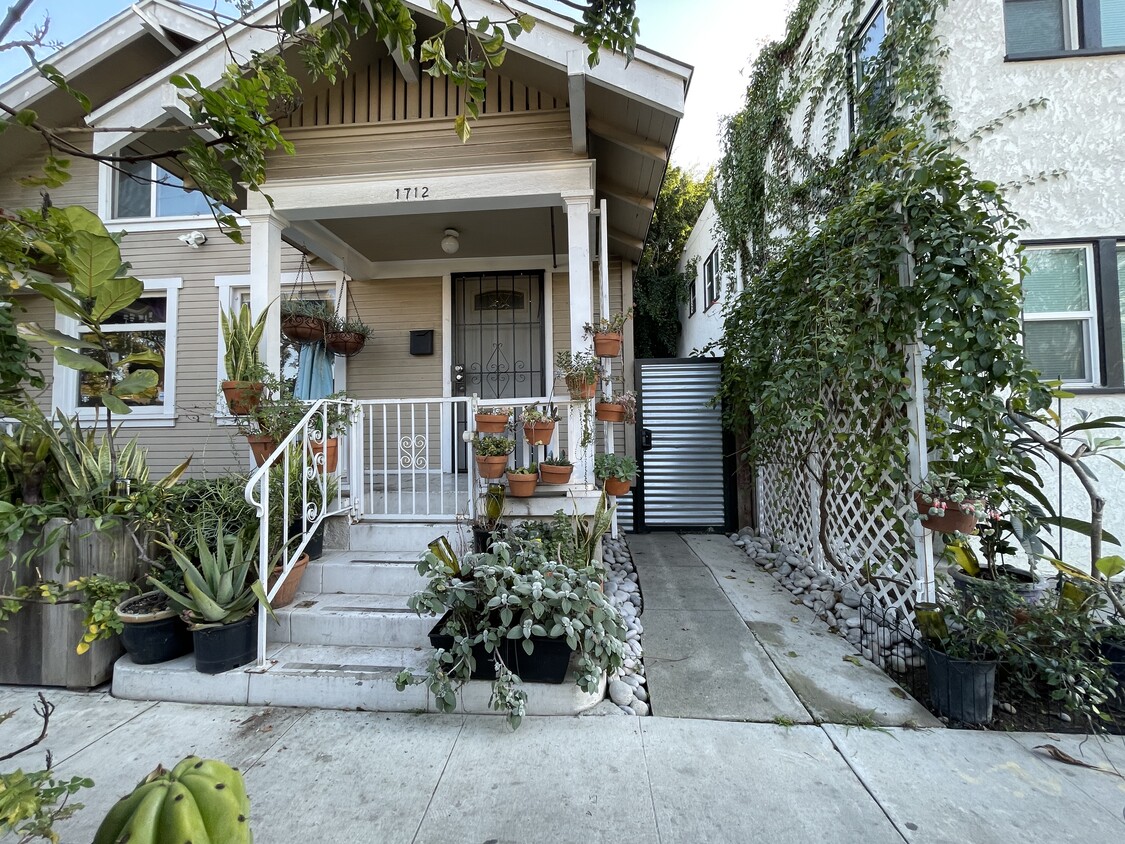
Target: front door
498	349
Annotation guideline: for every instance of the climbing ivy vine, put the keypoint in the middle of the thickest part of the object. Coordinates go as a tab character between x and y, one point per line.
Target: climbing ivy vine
861	236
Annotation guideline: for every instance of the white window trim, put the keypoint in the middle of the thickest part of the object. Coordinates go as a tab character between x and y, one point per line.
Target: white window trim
107	177
64	390
712	280
1088	317
230	286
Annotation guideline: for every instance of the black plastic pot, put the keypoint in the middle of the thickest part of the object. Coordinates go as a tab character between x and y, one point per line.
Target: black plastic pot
486	665
219	649
961	689
547	663
315	548
483	539
152	635
1027	586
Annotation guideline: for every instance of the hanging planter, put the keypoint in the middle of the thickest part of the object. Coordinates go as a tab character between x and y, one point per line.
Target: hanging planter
580	388
305	317
608	411
607	334
539	424
492	455
303	328
494	422
347	339
556	470
607	345
522	482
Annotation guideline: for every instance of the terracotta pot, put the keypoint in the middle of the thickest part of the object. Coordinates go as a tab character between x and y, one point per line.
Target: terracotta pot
302	329
579	387
331	449
491	423
292	584
539	433
555	474
608	411
616	487
492	467
954	520
242	396
344	343
607	345
521	486
263	446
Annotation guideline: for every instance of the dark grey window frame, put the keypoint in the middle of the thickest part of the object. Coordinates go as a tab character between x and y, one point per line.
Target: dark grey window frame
854	89
1107	318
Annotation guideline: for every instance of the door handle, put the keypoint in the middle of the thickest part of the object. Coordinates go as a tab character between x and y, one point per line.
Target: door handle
646	439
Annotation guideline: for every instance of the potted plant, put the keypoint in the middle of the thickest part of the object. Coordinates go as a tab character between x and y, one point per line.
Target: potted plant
276	415
493	420
305	321
996	538
539	425
607	334
615	472
961	658
324	433
522	480
556	470
947	504
346	337
619	408
580	371
152	629
241	336
220	599
528	612
492	454
490	508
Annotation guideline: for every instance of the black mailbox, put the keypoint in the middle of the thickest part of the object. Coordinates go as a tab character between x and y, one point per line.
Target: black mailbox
422	342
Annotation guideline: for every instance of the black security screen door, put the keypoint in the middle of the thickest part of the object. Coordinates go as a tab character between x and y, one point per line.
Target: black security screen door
498	337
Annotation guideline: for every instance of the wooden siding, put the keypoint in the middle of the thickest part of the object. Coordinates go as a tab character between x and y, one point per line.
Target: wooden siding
385	369
377	92
81	189
423	145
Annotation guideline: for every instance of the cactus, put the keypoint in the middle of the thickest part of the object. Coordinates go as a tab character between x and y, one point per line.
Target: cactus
200	800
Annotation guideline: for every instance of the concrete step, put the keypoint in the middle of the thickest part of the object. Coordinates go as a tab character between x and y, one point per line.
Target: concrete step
327	677
408	538
371	620
363	572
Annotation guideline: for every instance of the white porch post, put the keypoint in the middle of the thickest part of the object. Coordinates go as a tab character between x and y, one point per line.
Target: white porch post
265	282
581	312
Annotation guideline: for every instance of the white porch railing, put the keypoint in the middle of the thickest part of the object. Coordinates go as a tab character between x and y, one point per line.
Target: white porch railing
294	491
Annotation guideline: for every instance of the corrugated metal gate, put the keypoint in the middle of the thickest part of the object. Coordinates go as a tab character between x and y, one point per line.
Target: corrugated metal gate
686	477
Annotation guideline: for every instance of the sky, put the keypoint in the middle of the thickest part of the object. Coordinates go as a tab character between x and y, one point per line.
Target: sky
692	31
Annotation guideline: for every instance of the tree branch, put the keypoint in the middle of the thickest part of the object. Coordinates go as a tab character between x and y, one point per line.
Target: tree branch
43	709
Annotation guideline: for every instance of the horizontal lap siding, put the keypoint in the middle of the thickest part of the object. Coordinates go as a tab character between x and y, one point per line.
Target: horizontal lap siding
430	145
385	369
80	189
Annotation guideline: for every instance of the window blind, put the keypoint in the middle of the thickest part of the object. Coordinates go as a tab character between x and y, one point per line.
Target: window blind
1057	349
1034	26
1056	281
1112	16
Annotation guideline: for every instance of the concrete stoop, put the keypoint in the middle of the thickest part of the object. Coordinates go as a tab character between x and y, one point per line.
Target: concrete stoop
340	644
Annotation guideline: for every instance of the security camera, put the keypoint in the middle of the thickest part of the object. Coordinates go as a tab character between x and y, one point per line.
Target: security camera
193	239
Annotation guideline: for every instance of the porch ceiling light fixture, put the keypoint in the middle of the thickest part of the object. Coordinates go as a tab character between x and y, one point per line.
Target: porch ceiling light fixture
451	242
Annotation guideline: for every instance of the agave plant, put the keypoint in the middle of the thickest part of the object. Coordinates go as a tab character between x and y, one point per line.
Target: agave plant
217	589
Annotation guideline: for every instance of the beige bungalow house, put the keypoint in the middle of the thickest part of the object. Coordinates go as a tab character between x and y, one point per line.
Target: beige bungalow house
474	264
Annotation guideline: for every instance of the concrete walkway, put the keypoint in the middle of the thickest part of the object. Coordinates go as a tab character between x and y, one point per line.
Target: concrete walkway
724	641
319	775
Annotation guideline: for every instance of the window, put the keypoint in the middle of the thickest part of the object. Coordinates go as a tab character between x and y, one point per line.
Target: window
1060	335
712	280
871	82
1043	28
148	325
691	293
143	190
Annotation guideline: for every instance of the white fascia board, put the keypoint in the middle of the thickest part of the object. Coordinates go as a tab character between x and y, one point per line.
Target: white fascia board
143	104
93	47
651	78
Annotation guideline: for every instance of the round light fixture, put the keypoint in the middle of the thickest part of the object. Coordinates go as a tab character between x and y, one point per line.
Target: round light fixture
451	242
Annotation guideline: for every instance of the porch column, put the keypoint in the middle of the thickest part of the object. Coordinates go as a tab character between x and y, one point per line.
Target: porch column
265	283
581	312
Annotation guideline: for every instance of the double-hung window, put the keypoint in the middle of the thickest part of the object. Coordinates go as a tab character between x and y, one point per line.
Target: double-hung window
871	83
142	190
712	280
692	293
1052	28
1072	312
147	325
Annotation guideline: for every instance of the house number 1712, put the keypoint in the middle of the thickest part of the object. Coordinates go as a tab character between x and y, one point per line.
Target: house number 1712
413	192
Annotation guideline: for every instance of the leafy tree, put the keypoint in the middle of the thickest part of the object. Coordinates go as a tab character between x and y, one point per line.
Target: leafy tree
659	287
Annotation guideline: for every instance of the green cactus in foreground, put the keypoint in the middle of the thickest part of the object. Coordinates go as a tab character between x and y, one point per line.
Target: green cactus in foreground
202	801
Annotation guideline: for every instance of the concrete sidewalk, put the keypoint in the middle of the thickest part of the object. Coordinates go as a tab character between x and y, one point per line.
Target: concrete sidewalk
724	641
316	775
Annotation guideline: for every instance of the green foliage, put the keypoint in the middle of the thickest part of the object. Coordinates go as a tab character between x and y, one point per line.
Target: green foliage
580	365
557	460
198	800
612	24
17	357
659	288
100	597
510	595
492	445
203	506
530	469
618	466
223	588
242	335
612	324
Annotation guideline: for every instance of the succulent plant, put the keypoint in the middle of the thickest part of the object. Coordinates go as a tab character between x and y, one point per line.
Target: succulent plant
199	800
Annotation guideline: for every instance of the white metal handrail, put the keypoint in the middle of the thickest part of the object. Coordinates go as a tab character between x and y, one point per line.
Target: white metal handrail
299	464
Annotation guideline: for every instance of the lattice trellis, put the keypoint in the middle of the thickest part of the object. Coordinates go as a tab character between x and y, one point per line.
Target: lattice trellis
869	547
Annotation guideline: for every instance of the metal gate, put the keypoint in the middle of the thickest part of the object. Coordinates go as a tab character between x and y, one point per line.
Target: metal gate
686	477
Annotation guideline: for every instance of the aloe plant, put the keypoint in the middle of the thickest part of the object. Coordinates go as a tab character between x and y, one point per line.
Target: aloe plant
217	589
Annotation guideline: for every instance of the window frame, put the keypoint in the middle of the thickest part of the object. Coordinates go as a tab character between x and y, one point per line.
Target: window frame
858	90
1079	28
693	291
712	280
1089	317
66	381
108	188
